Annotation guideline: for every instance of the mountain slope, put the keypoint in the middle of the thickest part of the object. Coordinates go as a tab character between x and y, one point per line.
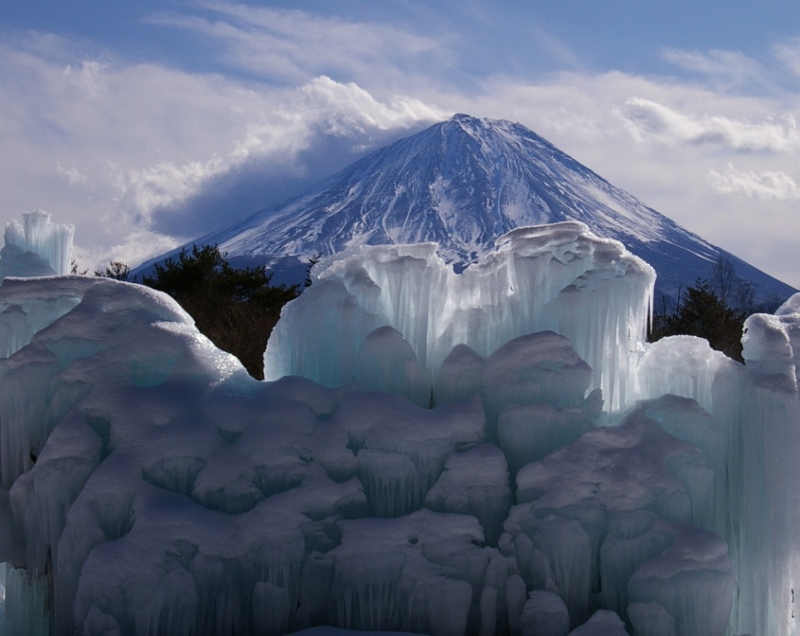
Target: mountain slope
463	183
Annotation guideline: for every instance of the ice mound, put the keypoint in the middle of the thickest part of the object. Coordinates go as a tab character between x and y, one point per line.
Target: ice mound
602	623
771	345
475	479
618	511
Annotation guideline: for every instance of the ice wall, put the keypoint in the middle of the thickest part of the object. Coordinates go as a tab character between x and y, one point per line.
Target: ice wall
741	418
150	486
768	442
160	489
559	277
36	247
749	429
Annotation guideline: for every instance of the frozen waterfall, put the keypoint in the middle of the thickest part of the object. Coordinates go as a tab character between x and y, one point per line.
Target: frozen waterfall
495	452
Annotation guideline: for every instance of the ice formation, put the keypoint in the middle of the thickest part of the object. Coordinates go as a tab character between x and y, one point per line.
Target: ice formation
491	453
557	277
36	247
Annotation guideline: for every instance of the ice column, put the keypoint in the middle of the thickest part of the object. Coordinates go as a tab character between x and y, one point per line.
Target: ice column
764	509
37	236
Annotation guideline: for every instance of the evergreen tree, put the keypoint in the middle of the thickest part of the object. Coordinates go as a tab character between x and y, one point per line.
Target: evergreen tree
235	308
701	312
714	309
116	270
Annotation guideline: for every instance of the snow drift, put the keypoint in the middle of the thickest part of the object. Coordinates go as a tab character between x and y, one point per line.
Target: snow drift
472	480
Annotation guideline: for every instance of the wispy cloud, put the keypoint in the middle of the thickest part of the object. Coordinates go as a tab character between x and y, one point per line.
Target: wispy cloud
728	67
557	50
766	185
292	46
647	120
788	52
71	174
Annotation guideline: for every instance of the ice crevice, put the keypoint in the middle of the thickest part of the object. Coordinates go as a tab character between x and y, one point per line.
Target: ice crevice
493	452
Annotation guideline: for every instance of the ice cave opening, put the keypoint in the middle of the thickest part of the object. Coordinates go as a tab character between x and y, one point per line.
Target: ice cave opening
492	452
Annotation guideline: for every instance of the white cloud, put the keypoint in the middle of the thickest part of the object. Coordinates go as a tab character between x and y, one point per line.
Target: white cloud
318	128
766	185
342	109
143	190
137	247
71	174
86	75
320	108
649	120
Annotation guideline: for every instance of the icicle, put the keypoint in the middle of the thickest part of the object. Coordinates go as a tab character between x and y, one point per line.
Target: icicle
558	277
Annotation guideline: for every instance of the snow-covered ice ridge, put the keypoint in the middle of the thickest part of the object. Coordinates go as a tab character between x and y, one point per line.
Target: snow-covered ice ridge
150	486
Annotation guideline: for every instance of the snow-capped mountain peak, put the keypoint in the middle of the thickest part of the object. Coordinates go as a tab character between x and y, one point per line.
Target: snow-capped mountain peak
463	183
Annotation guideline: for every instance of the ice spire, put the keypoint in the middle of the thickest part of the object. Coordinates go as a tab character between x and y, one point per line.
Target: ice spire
37	246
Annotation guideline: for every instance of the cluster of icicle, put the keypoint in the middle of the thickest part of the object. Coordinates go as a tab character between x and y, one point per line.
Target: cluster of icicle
557	277
36	247
450	475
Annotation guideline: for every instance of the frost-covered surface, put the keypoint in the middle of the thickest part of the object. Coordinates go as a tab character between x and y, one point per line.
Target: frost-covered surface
150	486
36	247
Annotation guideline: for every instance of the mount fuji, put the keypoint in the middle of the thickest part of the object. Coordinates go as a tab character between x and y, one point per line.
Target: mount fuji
463	183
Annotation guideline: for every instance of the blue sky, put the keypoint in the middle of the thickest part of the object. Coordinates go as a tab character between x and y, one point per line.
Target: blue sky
149	123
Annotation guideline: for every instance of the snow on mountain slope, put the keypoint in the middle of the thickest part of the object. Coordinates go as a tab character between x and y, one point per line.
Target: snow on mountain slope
463	183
